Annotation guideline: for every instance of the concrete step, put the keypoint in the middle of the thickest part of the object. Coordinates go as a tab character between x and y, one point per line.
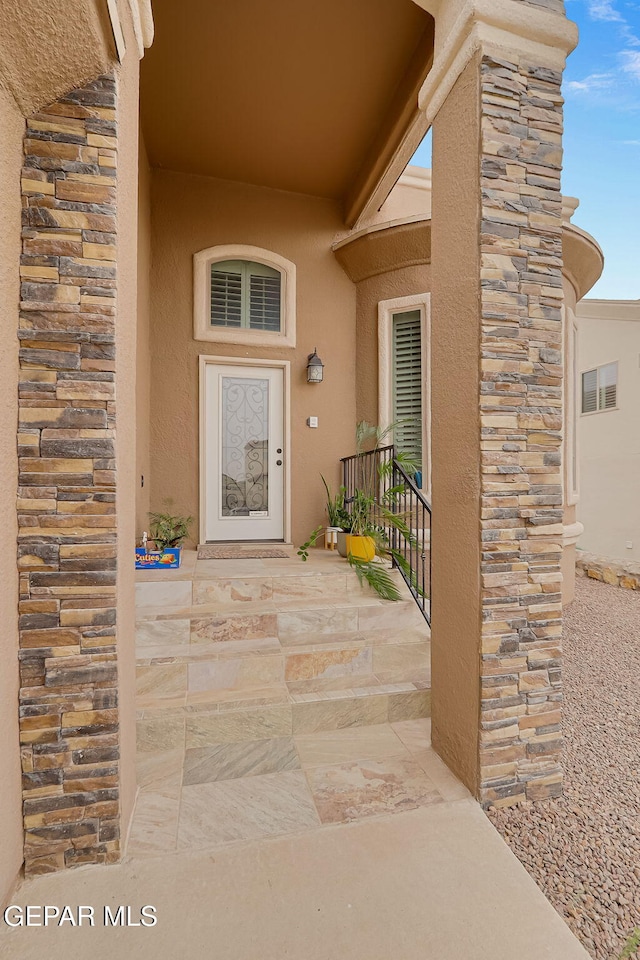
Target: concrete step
274	651
205	719
164	672
238	583
292	622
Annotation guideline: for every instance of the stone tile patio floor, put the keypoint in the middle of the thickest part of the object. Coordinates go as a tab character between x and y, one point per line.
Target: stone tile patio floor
418	872
208	796
244	673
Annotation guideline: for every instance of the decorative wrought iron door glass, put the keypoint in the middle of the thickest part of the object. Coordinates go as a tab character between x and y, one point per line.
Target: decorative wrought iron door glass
245	447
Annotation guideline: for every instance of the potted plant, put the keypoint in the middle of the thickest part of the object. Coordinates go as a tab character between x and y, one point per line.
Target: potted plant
360	543
337	514
168	531
370	515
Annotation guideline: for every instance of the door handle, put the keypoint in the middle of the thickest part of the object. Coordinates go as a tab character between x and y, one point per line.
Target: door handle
279	450
278	463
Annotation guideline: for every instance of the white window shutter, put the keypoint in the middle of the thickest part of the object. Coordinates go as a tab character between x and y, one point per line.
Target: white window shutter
246	294
589	391
226	294
264	299
608	386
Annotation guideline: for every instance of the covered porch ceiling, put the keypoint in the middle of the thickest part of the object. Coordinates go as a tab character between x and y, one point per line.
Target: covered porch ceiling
316	98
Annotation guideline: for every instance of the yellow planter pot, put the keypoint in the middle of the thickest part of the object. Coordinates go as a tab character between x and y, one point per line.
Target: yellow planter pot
362	548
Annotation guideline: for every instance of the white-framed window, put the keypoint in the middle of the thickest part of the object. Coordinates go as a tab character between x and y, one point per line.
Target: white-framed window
600	388
404	331
244	294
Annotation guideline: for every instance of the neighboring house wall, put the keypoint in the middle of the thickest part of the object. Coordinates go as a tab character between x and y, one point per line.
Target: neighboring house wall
12	125
609	440
192	213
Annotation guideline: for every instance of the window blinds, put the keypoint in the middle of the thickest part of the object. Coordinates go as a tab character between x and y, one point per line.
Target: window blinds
600	388
608	386
407	382
245	294
589	391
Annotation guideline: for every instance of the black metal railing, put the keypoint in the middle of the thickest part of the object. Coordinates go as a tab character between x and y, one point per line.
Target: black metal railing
415	550
370	472
382	477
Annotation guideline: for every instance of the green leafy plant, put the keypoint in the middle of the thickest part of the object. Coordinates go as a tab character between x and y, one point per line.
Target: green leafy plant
377	509
632	945
362	514
374	510
338	515
303	551
377	576
169	530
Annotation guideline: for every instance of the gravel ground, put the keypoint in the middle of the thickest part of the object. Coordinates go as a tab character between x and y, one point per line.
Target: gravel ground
583	850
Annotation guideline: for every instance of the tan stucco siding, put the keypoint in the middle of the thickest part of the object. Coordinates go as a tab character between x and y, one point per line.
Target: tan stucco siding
190	214
12	125
404	282
74	44
143	360
127	303
455	346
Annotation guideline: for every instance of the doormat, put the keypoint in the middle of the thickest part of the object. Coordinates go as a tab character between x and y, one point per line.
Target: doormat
231	552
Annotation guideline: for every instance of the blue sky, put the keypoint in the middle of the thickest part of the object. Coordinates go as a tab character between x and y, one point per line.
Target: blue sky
602	137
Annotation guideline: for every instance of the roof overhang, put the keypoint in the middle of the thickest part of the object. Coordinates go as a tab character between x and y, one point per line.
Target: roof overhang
320	99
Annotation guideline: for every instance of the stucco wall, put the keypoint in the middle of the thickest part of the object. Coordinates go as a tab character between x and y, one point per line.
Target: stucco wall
609	440
189	214
12	125
569	448
143	359
455	430
385	286
73	41
127	302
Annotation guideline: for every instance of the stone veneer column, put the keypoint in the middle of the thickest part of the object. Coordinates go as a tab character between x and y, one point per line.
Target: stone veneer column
497	413
67	492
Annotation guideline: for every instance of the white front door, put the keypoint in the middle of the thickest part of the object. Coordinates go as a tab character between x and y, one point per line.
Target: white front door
244	452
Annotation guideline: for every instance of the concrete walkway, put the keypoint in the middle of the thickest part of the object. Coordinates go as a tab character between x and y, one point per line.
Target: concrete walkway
430	884
332	840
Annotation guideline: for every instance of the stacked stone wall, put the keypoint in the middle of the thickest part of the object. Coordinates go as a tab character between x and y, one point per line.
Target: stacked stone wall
618	573
521	422
67	492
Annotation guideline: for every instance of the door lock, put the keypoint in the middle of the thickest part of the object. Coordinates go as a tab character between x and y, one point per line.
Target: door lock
278	463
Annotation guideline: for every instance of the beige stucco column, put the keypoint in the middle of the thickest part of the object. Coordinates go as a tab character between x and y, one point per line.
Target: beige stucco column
494	97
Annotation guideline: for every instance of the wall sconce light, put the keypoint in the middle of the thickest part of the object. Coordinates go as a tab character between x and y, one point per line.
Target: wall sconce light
315	368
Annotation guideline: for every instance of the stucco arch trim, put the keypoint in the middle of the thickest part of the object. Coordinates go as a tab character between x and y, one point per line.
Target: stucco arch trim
583	259
383	247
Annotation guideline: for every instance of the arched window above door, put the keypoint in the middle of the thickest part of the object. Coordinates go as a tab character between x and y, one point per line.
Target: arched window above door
244	294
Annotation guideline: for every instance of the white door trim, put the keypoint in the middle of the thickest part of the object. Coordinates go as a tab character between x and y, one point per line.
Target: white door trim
285	365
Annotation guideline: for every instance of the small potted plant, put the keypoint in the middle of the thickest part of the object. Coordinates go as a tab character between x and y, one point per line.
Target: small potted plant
359	540
168	531
369	516
338	516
